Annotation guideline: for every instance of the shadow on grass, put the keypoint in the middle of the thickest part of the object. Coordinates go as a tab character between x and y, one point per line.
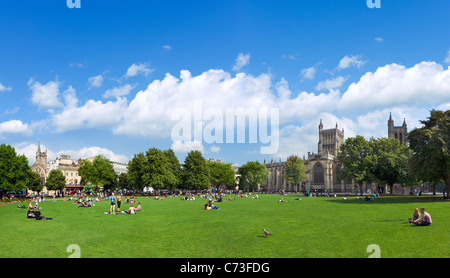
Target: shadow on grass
386	200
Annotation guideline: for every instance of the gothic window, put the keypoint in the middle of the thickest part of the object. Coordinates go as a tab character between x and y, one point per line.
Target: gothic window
318	173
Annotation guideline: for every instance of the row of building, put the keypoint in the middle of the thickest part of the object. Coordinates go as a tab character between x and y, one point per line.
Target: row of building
68	167
323	168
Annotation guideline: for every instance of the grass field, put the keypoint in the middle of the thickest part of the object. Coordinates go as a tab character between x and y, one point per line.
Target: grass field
309	228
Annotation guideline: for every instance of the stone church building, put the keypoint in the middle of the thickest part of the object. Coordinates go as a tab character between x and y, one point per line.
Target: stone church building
323	167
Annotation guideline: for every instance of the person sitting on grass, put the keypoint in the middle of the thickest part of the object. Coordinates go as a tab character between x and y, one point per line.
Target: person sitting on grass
30	213
131	210
416	216
425	220
38	216
139	207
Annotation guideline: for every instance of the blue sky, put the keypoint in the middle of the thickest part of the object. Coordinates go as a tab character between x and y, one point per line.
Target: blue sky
107	77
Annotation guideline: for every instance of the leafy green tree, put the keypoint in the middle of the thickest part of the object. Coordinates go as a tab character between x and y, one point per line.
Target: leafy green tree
252	174
390	162
222	174
430	144
123	181
55	180
158	172
136	170
356	157
35	182
99	173
175	167
14	169
195	171
294	170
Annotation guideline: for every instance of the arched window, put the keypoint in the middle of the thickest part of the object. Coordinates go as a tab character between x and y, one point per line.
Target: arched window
318	173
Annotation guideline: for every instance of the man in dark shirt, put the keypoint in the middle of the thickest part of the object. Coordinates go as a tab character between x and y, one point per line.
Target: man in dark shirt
30	213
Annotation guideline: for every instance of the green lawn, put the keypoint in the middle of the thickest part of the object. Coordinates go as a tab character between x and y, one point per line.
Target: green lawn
310	228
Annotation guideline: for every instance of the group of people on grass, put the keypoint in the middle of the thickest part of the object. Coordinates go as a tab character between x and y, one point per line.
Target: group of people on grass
118	200
33	211
417	219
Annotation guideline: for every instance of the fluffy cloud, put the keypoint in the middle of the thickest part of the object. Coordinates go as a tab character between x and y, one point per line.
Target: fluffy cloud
136	69
185	147
331	83
3	88
91	115
351	60
426	83
241	61
119	91
29	150
15	127
95	81
45	96
308	73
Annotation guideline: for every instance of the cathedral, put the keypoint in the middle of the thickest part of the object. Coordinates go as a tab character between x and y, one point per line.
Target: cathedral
40	165
323	167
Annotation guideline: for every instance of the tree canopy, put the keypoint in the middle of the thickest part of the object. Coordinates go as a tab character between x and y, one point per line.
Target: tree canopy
430	144
14	169
252	174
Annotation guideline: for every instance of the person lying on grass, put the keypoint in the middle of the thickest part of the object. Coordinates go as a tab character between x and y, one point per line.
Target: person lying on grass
38	216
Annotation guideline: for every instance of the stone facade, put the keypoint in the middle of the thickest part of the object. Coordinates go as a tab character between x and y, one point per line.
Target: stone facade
398	132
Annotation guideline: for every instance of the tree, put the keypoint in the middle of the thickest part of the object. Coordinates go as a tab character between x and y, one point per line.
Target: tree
195	171
390	162
34	182
430	145
355	156
99	173
14	170
123	181
175	167
158	172
136	170
55	180
252	174
294	170
221	174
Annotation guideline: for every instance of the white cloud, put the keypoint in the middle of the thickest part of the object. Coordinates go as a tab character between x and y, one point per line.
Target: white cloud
379	39
45	96
185	147
447	59
3	88
136	69
95	81
241	61
29	150
308	73
331	83
15	127
215	149
91	115
351	60
119	91
426	83
167	47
